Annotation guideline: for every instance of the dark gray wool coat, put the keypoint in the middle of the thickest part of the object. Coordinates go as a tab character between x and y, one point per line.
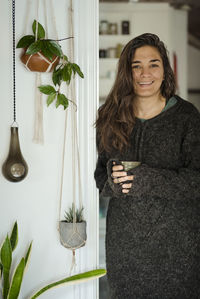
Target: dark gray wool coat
153	233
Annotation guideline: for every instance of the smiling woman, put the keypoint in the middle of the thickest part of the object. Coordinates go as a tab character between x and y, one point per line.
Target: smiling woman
147	70
148	75
153	220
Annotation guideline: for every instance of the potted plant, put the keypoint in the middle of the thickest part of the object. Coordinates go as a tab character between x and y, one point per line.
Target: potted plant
45	55
73	229
11	288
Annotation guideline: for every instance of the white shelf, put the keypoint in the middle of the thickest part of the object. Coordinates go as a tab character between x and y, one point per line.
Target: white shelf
107	81
110	40
107	69
108	60
105	85
115	36
108	66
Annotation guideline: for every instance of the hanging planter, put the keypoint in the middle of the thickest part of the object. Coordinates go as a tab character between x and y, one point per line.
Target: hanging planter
40	54
38	62
44	55
73	229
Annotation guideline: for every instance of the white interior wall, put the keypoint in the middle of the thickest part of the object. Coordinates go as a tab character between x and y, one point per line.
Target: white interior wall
34	202
193	67
179	44
194	74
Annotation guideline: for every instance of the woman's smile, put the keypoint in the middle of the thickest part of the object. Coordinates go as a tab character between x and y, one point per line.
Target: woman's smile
145	84
147	71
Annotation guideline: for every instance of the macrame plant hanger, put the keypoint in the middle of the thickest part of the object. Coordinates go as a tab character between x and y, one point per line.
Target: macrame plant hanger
38	136
15	167
72	235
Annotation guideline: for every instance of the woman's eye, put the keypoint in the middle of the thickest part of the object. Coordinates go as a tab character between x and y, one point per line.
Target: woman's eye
154	65
136	66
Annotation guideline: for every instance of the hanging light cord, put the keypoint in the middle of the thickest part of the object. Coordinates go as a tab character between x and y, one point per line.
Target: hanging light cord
14	83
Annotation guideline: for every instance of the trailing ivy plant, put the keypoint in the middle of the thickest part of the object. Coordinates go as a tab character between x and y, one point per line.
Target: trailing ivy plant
10	288
63	72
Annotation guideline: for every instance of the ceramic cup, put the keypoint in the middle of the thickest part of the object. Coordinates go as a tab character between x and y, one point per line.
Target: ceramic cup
130	164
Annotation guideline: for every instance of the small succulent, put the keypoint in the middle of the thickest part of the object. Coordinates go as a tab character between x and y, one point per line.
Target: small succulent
69	216
63	72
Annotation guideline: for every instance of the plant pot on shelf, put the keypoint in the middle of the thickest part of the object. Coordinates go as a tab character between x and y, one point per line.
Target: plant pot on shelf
38	62
72	235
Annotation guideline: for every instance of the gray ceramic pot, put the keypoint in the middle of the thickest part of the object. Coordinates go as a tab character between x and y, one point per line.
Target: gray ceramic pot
72	236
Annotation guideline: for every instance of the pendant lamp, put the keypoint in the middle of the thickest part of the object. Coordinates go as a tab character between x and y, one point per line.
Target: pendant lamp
15	167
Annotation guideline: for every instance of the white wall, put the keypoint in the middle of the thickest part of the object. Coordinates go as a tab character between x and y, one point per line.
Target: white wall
179	45
193	67
34	202
194	74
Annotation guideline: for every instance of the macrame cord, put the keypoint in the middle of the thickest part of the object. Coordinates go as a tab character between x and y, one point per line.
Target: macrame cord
75	154
38	135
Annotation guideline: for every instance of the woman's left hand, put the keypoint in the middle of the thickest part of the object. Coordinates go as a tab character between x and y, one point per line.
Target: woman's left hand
119	177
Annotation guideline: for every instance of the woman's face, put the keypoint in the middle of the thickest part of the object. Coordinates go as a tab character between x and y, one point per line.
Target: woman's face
147	71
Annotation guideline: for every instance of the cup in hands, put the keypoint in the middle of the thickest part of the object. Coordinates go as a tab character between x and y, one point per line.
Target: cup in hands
130	164
120	175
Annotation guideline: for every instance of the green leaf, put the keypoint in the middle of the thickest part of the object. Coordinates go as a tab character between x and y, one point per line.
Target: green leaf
41	31
28	253
55	48
1	270
77	70
25	41
45	50
6	259
83	277
65	58
57	76
34	48
14	237
67	72
51	98
69	216
47	89
17	280
62	100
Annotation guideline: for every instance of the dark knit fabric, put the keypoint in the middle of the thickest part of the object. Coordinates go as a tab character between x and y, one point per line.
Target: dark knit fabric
153	233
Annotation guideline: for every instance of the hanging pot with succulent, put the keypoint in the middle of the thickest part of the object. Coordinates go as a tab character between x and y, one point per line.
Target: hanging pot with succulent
73	229
45	55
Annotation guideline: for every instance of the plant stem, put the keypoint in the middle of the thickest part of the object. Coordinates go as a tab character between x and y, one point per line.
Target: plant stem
59	40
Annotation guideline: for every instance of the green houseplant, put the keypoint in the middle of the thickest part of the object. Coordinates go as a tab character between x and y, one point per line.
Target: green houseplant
42	55
11	288
73	231
69	216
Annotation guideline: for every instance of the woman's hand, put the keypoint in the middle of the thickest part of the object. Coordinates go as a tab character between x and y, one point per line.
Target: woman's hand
119	177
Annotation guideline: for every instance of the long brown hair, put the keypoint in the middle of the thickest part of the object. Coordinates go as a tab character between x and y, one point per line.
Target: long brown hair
116	118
